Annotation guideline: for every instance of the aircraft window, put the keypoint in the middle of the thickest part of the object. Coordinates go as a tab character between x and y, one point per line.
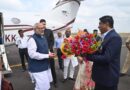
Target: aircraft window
15	20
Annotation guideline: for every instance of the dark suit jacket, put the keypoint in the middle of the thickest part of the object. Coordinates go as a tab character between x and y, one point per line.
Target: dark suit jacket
50	38
106	66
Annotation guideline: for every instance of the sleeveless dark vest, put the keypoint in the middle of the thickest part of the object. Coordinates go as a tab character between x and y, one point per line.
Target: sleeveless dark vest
42	47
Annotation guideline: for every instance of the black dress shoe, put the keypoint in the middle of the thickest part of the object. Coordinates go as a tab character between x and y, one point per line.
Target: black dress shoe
73	79
64	80
55	85
122	74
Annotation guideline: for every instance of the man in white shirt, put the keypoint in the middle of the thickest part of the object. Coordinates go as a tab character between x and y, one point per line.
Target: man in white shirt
21	43
39	55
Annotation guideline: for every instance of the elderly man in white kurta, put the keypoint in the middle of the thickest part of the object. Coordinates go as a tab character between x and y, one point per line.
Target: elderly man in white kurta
39	59
69	62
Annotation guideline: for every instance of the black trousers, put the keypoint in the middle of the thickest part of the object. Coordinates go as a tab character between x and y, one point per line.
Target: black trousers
102	87
59	54
23	52
52	65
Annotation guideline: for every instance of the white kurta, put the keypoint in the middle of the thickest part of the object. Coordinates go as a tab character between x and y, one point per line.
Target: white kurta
42	79
71	59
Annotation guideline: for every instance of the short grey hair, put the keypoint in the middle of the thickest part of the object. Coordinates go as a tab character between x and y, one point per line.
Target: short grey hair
35	26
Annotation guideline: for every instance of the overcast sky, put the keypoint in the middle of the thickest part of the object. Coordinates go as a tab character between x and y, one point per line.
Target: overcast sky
89	12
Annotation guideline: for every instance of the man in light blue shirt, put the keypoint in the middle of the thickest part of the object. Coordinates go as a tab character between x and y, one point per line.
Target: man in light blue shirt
58	43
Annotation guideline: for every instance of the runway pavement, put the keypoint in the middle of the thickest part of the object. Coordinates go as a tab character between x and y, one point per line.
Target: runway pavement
21	80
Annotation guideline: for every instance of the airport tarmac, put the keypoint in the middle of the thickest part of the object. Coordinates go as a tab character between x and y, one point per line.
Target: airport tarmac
21	80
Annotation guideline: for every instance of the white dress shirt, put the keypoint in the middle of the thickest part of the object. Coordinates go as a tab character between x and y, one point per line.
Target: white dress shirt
104	34
22	42
32	50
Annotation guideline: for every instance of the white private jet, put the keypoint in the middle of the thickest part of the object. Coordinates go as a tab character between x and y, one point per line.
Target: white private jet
60	17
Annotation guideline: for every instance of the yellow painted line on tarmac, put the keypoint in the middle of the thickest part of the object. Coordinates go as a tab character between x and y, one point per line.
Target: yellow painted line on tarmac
16	65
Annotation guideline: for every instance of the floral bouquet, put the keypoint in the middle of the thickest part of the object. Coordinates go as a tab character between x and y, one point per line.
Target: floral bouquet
66	48
84	43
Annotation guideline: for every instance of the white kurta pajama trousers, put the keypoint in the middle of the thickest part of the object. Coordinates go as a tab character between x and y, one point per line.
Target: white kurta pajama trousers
72	61
42	80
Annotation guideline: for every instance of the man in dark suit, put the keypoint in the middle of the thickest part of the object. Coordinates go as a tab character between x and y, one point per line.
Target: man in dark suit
50	39
106	63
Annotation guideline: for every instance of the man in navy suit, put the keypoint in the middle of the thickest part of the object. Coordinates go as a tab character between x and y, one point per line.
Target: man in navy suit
50	40
106	61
